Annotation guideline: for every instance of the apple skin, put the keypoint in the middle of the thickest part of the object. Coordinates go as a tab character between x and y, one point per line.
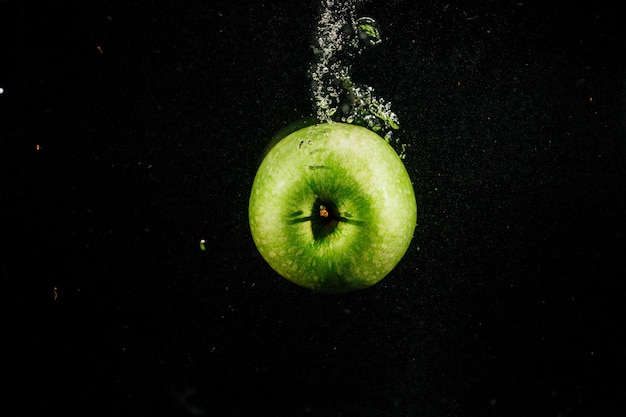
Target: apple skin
332	208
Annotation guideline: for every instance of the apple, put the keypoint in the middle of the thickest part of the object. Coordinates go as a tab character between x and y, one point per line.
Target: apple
332	208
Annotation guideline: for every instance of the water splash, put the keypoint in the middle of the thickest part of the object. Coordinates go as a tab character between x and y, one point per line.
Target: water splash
341	36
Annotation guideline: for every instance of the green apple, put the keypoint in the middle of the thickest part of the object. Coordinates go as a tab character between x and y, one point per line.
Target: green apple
332	208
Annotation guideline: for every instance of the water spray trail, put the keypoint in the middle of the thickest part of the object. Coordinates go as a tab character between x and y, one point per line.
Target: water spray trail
337	98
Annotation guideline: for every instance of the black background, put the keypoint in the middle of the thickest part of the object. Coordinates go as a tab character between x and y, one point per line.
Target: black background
132	130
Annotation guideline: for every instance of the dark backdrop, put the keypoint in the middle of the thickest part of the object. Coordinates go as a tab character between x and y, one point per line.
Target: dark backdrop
132	130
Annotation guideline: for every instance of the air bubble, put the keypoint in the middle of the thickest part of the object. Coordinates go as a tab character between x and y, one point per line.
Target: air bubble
367	30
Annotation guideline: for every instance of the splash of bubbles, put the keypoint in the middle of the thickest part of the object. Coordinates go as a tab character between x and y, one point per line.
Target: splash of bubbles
340	36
